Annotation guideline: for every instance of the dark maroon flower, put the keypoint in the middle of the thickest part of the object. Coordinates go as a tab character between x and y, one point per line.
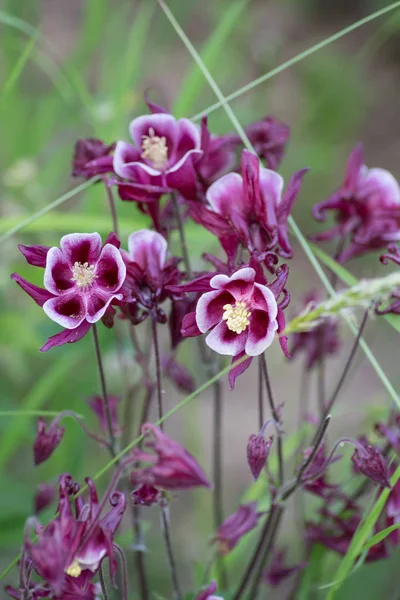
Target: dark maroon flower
171	466
278	571
96	403
257	451
318	343
394	308
219	158
367	208
44	496
92	157
146	495
82	278
164	154
269	138
236	526
70	548
47	439
250	209
315	478
35	591
369	461
391	431
179	374
208	593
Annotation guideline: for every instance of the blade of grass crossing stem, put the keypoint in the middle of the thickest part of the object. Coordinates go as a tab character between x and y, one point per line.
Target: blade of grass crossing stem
299	57
47	209
379	537
210	53
18	68
37	396
347	277
360	537
300	237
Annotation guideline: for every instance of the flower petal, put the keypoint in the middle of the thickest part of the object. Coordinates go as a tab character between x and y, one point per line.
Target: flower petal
209	309
125	156
97	303
148	249
81	247
182	175
58	273
261	333
163	125
247	275
226	342
39	295
68	310
35	255
225	195
264	299
67	336
239	369
110	269
383	184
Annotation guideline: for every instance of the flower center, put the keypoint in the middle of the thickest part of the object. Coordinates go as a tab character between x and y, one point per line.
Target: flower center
74	569
83	274
236	316
155	149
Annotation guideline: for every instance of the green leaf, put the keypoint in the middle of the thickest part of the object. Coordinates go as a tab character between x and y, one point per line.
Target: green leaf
18	68
210	53
379	537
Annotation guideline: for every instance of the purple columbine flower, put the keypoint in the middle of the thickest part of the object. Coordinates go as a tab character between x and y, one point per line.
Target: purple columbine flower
269	138
48	437
146	495
92	157
70	548
209	593
82	279
96	403
250	208
164	154
318	343
257	451
236	526
219	157
369	461
44	496
171	466
366	208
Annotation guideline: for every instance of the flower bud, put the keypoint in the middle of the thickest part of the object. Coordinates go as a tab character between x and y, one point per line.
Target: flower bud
44	496
257	453
236	526
146	495
96	403
368	460
47	439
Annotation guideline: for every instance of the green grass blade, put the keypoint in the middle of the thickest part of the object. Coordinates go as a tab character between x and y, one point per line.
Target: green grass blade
194	80
360	538
379	537
47	209
32	413
298	58
19	67
300	237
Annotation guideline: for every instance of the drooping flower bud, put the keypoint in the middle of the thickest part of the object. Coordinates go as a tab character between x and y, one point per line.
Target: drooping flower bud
257	452
96	403
236	526
146	495
45	494
92	157
368	460
47	439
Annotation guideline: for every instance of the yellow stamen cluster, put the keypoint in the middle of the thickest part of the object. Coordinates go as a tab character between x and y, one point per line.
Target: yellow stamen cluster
83	274
74	569
236	317
155	149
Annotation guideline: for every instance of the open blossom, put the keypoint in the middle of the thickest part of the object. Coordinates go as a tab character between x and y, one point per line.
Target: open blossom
171	466
250	209
69	550
366	208
164	153
92	157
231	531
82	279
48	437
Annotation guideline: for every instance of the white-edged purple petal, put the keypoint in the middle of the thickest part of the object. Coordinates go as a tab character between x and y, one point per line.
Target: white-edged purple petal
110	270
271	186
125	155
39	295
380	184
225	195
182	176
68	310
226	342
189	138
66	336
81	247
261	333
160	125
219	281
264	299
58	273
209	308
148	249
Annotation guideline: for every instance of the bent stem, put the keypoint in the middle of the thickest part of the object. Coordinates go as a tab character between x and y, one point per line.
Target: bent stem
103	583
276	418
112	441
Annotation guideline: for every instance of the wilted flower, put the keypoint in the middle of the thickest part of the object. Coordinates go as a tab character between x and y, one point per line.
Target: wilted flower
236	526
208	594
367	208
96	403
369	461
319	342
278	571
171	466
269	138
82	278
165	153
250	209
44	496
257	451
70	548
47	439
146	495
92	157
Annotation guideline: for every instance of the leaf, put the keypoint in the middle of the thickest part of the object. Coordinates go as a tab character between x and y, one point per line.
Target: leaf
18	68
210	53
379	537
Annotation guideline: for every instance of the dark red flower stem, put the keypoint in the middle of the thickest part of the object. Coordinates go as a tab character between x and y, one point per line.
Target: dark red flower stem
261	417
111	202
124	571
158	369
103	583
111	437
321	387
182	237
170	555
218	510
276	417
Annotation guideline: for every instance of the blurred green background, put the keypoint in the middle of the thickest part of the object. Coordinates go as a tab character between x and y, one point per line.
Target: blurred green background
81	68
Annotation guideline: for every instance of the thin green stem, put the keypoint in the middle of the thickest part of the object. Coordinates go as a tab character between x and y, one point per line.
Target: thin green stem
158	370
277	419
170	555
182	237
261	416
103	583
218	510
113	210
